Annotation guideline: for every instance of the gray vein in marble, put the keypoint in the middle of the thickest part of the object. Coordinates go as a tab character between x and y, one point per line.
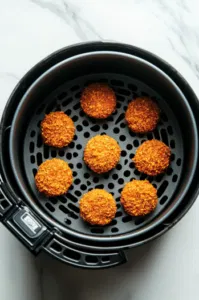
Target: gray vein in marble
180	30
183	4
80	21
8	74
70	16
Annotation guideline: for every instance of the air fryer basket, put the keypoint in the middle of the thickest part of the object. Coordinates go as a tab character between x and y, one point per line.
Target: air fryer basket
64	209
58	87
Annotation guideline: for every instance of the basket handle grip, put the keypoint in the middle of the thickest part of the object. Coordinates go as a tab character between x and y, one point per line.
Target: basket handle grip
83	259
22	221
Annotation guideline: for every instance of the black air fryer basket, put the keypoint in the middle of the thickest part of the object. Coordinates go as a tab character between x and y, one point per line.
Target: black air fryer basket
53	224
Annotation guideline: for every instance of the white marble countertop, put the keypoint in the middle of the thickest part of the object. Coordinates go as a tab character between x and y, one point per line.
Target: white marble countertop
30	30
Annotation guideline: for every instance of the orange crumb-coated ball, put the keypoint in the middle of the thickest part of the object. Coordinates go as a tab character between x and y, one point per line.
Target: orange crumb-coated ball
98	207
98	100
139	197
102	153
142	115
57	129
152	157
54	177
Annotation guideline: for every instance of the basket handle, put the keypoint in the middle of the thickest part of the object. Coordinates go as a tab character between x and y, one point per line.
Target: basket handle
35	235
83	259
22	221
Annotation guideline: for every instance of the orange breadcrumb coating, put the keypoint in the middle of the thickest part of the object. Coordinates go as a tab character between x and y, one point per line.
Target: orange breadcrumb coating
152	157
57	129
102	153
139	197
54	177
98	100
142	115
98	207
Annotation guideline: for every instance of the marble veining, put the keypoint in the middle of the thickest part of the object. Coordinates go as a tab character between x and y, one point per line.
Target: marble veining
168	28
174	20
69	13
31	29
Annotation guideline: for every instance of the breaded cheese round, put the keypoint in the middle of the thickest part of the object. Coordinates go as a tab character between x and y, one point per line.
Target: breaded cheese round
139	197
152	157
98	207
102	153
54	177
57	129
98	100
142	115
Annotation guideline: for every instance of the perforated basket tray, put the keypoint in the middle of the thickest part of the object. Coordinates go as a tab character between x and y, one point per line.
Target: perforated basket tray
65	209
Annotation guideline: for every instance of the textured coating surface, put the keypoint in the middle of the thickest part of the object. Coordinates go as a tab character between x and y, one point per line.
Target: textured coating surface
57	129
152	157
139	197
54	177
102	153
142	115
98	207
98	100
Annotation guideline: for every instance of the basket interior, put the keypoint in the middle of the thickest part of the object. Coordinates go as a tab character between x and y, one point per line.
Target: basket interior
65	209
